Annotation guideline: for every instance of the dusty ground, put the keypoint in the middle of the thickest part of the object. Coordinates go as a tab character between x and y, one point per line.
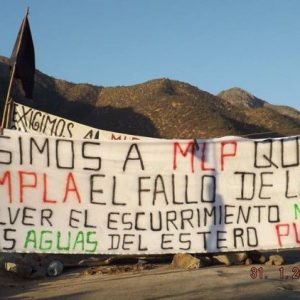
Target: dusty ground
161	282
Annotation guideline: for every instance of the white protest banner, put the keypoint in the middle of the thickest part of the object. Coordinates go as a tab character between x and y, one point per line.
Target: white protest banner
28	119
138	197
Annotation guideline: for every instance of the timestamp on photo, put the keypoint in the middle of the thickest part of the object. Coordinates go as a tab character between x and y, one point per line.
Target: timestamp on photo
283	273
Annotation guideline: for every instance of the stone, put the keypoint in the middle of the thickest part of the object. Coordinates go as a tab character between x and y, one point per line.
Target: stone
262	259
185	261
222	259
269	263
277	260
55	268
10	267
238	257
205	261
257	257
233	258
21	269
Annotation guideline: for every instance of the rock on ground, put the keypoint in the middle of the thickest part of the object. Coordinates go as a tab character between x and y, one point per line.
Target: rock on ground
276	260
234	258
257	257
185	261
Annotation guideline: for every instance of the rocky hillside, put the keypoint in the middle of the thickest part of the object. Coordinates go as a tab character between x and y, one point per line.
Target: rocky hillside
159	108
283	120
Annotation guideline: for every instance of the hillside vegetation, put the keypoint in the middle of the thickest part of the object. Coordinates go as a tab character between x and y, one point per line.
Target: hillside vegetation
158	108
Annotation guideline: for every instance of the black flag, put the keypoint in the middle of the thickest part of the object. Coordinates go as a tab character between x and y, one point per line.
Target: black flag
22	58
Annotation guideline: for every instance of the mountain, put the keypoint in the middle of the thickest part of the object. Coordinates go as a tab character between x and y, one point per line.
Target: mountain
243	99
282	120
158	108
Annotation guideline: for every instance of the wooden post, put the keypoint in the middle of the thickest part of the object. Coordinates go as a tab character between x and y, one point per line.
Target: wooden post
8	101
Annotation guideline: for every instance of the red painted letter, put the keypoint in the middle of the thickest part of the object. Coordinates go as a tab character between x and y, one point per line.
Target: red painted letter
279	234
296	233
203	158
113	137
189	148
71	187
45	191
23	185
228	154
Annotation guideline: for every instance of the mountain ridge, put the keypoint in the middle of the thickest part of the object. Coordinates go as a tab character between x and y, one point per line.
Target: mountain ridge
158	108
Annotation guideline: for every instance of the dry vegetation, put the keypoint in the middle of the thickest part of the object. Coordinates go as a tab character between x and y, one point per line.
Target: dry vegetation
159	108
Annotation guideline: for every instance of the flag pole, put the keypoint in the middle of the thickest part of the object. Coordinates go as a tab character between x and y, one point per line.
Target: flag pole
8	101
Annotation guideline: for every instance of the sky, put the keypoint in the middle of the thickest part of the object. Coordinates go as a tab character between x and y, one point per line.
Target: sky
212	44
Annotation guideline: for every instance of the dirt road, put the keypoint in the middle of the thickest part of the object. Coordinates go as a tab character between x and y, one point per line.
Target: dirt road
232	282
